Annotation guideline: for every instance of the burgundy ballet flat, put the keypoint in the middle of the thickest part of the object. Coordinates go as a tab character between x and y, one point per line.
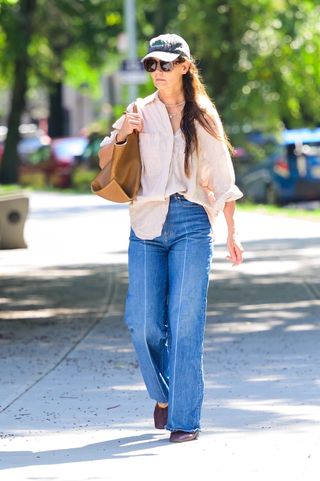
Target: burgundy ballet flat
183	436
160	417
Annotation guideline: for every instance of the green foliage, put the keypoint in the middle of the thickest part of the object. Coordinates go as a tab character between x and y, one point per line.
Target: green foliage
10	188
79	74
72	39
82	178
260	60
292	211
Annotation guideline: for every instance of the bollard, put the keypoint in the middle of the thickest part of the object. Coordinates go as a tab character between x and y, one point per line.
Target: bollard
13	214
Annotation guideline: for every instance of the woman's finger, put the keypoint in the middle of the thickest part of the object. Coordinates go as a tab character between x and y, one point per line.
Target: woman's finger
236	253
136	117
133	121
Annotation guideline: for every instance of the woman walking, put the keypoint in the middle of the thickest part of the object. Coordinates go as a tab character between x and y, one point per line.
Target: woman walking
187	178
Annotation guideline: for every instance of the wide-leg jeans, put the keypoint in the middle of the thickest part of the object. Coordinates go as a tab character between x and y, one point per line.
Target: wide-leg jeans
166	309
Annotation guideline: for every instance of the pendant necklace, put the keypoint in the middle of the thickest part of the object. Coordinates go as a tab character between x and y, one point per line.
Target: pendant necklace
172	114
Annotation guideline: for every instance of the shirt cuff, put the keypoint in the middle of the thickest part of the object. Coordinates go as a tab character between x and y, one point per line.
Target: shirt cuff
109	139
218	203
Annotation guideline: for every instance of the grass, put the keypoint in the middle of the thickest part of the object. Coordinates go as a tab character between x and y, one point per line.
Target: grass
287	211
7	189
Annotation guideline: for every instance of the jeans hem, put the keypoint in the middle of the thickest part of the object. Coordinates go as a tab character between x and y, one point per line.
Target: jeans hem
165	401
172	430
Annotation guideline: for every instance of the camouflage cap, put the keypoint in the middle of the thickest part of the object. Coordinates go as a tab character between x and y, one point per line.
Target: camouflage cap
168	47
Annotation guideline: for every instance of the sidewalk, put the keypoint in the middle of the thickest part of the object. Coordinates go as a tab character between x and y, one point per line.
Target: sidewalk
73	404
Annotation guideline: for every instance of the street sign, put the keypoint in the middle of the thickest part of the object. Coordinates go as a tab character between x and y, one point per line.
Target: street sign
132	72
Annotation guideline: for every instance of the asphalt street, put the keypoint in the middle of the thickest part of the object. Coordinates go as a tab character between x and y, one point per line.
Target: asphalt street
73	406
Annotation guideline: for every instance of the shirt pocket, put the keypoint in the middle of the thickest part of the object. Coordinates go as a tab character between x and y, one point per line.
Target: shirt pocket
150	151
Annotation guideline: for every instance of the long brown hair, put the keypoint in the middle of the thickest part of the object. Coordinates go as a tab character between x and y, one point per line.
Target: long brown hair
193	89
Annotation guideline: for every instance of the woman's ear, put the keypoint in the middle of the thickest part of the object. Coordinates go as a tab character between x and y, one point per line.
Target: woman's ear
185	67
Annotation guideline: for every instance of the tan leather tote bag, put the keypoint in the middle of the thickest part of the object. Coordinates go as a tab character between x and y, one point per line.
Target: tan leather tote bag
119	180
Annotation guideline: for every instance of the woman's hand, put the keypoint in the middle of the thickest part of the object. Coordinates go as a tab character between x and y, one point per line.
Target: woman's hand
235	250
234	245
132	121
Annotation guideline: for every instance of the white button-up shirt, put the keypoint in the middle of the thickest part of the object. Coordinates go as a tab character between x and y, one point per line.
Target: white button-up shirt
212	180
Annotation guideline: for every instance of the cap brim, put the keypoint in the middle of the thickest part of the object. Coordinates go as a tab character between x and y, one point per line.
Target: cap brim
165	56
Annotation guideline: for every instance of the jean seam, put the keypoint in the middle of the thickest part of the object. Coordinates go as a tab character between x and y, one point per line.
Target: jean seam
178	321
145	318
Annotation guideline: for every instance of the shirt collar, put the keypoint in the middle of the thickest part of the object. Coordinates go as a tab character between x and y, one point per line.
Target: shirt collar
151	98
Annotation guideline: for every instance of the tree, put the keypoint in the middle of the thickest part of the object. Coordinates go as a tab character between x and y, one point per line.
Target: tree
75	32
57	32
17	18
260	59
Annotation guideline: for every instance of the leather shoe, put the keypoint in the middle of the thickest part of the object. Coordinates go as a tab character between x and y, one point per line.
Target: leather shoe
160	417
183	436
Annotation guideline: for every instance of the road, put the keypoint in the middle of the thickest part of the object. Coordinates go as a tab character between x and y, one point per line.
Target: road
73	406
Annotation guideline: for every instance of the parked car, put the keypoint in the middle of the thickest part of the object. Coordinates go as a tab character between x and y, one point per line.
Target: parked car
291	173
53	164
31	139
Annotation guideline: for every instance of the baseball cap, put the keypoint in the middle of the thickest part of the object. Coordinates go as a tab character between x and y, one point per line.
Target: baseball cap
167	47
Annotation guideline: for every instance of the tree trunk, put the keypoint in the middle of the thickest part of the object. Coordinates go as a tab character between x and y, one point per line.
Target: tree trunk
58	123
10	160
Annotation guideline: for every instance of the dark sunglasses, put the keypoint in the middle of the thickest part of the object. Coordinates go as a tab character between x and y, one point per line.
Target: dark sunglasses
151	65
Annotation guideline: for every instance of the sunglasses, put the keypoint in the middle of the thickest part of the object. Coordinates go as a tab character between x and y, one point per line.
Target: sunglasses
151	65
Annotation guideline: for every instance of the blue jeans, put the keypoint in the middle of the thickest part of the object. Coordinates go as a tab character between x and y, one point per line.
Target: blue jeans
166	309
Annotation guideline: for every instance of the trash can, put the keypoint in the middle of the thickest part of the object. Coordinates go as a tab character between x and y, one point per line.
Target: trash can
14	209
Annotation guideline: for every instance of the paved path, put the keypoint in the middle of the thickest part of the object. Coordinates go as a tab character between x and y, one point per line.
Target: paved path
73	405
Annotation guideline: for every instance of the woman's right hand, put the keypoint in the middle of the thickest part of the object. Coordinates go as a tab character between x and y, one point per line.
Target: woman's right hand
131	122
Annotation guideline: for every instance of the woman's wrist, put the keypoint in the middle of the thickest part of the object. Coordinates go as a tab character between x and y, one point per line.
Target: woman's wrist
233	232
120	139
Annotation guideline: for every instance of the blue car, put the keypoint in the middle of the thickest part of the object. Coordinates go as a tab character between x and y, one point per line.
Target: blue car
291	173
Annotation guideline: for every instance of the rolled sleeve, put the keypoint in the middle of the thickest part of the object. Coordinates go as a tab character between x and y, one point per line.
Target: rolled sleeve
234	193
217	175
109	139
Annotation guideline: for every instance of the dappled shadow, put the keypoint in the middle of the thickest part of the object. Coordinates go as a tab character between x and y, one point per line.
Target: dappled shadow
70	287
261	360
262	338
45	313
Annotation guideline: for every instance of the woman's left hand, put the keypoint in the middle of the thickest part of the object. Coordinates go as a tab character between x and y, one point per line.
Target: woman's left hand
235	250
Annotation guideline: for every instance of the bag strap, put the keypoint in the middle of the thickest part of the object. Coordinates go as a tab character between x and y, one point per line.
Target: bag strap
135	111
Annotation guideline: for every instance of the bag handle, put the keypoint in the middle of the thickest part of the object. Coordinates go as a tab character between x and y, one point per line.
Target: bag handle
135	111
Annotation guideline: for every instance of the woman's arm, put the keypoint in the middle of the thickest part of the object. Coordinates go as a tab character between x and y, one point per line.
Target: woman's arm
234	245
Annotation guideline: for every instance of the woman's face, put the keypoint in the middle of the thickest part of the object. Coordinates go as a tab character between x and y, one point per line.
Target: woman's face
168	80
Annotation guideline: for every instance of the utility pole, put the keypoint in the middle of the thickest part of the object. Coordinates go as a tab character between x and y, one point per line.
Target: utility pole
130	27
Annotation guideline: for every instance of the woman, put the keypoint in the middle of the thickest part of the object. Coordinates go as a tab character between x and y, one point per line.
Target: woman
187	178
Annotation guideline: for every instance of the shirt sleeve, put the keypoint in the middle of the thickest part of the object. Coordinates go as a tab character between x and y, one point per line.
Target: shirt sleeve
217	175
116	126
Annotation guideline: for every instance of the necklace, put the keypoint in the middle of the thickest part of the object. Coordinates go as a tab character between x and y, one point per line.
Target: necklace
174	105
173	114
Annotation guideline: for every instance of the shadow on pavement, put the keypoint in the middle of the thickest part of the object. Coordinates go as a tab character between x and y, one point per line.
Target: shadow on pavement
119	448
262	349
